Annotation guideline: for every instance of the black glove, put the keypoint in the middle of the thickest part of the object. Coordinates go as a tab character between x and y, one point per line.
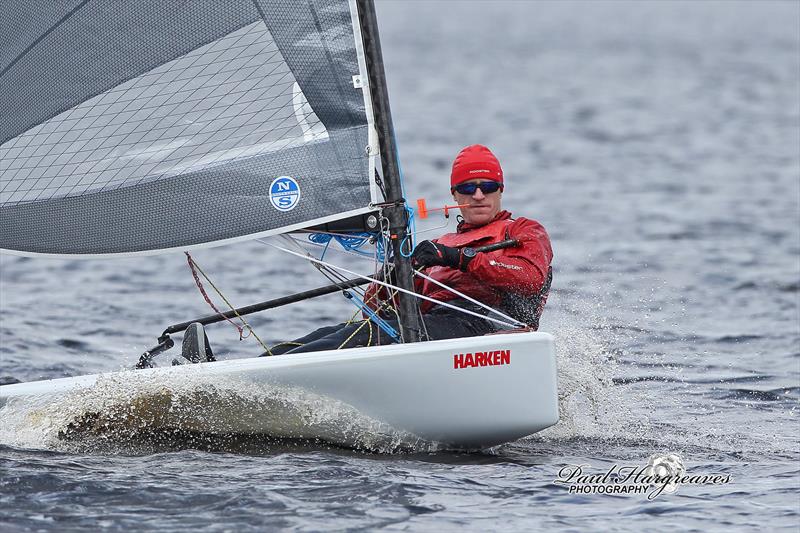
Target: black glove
429	253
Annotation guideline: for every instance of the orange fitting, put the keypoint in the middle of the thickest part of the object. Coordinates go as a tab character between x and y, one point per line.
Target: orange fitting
422	210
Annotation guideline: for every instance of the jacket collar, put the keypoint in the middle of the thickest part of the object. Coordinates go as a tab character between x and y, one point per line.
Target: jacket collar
463	226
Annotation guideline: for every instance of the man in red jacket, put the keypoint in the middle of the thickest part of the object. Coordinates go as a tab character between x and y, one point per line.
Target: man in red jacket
514	279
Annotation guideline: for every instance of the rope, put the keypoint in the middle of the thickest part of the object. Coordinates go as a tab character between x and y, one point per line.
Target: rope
194	267
462	295
409	238
285	343
350	242
333	275
373	316
512	324
366	302
363	323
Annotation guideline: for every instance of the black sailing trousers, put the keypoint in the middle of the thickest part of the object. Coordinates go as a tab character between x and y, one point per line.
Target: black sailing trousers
441	323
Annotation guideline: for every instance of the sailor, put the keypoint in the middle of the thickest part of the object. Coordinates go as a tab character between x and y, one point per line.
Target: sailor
515	279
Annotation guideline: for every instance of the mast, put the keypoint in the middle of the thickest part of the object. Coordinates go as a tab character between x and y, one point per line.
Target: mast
410	319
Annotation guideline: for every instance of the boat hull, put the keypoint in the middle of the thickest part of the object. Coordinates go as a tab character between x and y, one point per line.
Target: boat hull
466	393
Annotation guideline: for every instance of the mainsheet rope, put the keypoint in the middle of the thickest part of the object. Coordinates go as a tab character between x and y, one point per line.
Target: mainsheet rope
195	268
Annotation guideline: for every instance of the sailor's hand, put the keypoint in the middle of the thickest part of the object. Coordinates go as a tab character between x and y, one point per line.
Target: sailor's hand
429	253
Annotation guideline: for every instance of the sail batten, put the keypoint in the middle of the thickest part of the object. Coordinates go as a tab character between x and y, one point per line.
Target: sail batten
252	127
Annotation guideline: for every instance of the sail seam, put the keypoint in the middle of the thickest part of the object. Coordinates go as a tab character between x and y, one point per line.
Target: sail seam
43	36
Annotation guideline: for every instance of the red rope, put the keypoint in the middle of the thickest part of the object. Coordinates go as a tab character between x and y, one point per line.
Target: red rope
205	296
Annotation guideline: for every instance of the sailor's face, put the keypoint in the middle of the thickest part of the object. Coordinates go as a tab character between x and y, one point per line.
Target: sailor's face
482	207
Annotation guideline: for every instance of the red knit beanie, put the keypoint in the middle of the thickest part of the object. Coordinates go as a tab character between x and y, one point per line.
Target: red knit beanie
473	162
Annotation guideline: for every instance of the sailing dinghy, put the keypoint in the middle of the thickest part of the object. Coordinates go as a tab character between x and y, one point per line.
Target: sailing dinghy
152	127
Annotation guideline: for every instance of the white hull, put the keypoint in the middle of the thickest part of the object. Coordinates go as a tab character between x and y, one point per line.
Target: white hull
402	392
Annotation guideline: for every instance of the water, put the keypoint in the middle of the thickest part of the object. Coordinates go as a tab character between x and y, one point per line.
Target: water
658	143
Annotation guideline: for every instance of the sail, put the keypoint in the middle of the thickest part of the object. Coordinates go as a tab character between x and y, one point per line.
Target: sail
137	127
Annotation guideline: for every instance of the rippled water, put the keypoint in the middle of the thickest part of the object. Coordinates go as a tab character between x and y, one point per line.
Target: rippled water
658	143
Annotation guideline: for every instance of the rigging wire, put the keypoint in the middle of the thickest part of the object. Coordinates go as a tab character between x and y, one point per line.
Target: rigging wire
468	298
513	324
386	271
328	271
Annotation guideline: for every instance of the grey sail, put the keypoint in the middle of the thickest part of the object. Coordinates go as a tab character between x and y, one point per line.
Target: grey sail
136	127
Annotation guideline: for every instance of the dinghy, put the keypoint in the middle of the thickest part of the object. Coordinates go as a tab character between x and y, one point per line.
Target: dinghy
160	128
465	394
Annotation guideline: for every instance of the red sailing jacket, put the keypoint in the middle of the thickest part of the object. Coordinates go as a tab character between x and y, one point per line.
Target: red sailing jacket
495	277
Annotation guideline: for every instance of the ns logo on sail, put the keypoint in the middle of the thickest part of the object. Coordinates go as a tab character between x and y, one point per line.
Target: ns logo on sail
284	193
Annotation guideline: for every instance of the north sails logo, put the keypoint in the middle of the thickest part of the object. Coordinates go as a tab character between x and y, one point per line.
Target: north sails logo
284	193
494	358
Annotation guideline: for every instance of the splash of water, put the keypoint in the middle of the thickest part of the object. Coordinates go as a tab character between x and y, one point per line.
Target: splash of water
591	406
129	412
601	408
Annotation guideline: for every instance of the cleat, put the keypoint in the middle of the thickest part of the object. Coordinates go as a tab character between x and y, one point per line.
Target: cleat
195	346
